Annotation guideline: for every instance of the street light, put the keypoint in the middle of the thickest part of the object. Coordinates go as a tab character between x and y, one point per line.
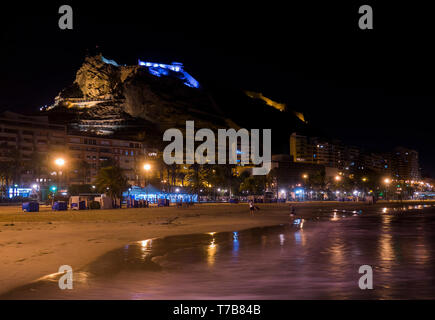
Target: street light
59	162
305	176
387	182
337	178
147	168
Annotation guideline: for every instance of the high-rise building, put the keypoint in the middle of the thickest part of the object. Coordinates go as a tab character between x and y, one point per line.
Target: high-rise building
321	151
401	163
26	142
405	165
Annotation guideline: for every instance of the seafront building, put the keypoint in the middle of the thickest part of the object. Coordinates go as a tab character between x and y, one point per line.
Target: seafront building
29	146
400	163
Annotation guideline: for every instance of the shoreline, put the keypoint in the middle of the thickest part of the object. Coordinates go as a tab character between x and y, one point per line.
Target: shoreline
33	245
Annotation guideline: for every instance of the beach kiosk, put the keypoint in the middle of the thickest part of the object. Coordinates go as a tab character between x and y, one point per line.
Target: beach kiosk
78	202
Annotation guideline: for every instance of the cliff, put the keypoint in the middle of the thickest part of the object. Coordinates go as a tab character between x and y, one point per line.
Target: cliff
106	98
103	89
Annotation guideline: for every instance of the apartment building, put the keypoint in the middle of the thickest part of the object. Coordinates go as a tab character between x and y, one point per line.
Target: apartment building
405	165
30	144
401	163
26	143
91	153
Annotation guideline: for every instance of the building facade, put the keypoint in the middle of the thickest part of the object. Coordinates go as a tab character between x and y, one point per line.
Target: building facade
26	143
401	163
91	153
29	146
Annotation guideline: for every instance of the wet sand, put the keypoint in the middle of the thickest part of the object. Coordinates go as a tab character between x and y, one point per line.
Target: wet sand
33	245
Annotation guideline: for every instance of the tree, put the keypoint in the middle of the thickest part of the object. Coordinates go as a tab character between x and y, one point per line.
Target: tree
196	178
254	184
112	181
221	176
10	168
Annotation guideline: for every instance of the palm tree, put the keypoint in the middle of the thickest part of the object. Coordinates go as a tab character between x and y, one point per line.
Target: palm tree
112	181
254	184
196	178
181	176
10	168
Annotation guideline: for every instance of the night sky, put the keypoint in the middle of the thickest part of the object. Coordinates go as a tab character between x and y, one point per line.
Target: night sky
373	88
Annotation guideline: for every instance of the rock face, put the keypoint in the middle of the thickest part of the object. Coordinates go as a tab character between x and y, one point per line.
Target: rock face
148	98
103	89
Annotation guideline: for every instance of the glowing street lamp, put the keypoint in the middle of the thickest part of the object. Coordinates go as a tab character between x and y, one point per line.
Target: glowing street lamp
60	162
147	168
305	176
387	182
337	178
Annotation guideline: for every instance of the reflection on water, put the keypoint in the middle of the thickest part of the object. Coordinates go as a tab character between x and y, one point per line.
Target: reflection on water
315	258
235	244
386	250
211	250
146	246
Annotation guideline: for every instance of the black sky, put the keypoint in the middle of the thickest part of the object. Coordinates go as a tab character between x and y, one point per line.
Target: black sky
372	88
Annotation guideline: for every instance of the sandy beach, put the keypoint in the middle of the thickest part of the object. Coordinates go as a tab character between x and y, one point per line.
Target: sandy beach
33	245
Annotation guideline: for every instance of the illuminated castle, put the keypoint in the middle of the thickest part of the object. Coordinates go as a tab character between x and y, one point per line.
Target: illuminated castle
175	69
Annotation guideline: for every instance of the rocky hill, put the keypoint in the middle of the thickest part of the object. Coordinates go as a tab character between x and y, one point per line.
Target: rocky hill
107	98
107	92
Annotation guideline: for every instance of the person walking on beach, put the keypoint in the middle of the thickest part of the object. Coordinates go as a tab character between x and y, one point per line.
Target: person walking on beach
292	211
251	207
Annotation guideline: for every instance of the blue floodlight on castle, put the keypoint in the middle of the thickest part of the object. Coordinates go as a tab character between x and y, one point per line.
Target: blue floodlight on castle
161	69
108	61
